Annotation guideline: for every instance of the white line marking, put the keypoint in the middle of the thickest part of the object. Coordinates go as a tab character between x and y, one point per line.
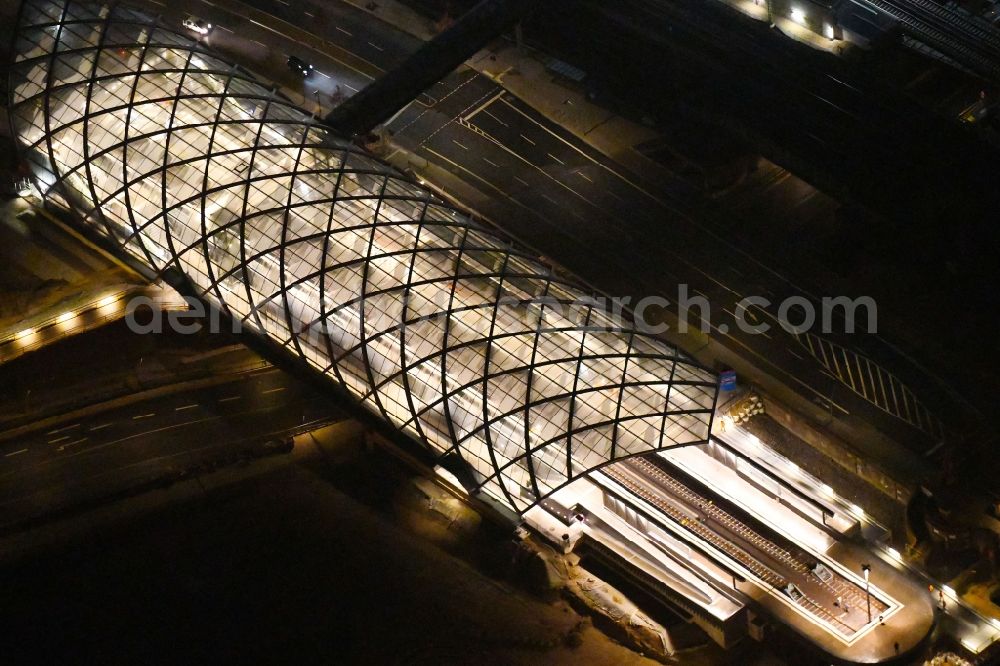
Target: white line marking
528	140
143	416
309	14
585	176
230	398
491	162
323	74
345	32
58	439
100	427
376	46
222	27
15	453
69	444
496	119
63	429
459	145
181	409
483	106
274	390
556	158
927	454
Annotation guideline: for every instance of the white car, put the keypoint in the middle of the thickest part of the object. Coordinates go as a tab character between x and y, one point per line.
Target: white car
195	24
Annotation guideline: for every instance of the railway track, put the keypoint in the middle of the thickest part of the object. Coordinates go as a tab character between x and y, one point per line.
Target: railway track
958	37
785	563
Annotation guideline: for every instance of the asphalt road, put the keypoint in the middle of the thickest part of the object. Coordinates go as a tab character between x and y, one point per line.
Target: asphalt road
110	450
579	207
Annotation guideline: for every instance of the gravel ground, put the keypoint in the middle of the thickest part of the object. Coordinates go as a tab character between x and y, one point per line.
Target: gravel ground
280	567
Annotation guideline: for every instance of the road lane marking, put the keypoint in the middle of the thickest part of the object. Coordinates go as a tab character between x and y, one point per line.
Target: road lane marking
482	107
181	409
174	426
556	158
73	443
257	41
462	146
522	181
586	155
58	439
15	453
491	162
585	176
222	27
472	173
143	416
537	168
349	34
929	452
230	398
372	44
100	427
63	429
323	74
274	390
495	118
309	14
345	64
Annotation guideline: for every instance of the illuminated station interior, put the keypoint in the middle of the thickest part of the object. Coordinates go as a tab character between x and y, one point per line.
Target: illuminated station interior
604	439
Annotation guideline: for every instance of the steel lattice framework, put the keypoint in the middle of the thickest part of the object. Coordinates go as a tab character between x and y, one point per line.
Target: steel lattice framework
460	340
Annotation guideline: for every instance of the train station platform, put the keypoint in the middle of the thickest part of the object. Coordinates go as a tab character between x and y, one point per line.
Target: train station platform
729	550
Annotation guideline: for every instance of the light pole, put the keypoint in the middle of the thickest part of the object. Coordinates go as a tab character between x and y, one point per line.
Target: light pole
867	571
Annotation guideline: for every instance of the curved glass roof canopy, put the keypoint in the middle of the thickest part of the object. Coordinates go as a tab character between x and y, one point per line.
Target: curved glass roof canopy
462	341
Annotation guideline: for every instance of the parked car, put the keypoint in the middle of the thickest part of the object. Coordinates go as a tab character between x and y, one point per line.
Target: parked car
195	24
299	66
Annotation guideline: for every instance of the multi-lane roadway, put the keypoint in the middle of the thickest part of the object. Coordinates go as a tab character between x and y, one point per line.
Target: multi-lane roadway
119	446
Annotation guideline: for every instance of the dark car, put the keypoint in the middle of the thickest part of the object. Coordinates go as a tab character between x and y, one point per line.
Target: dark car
299	66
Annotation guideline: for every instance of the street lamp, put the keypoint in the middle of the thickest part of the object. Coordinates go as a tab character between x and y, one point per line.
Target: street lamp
866	569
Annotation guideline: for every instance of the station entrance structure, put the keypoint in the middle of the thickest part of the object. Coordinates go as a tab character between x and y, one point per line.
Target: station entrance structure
443	328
